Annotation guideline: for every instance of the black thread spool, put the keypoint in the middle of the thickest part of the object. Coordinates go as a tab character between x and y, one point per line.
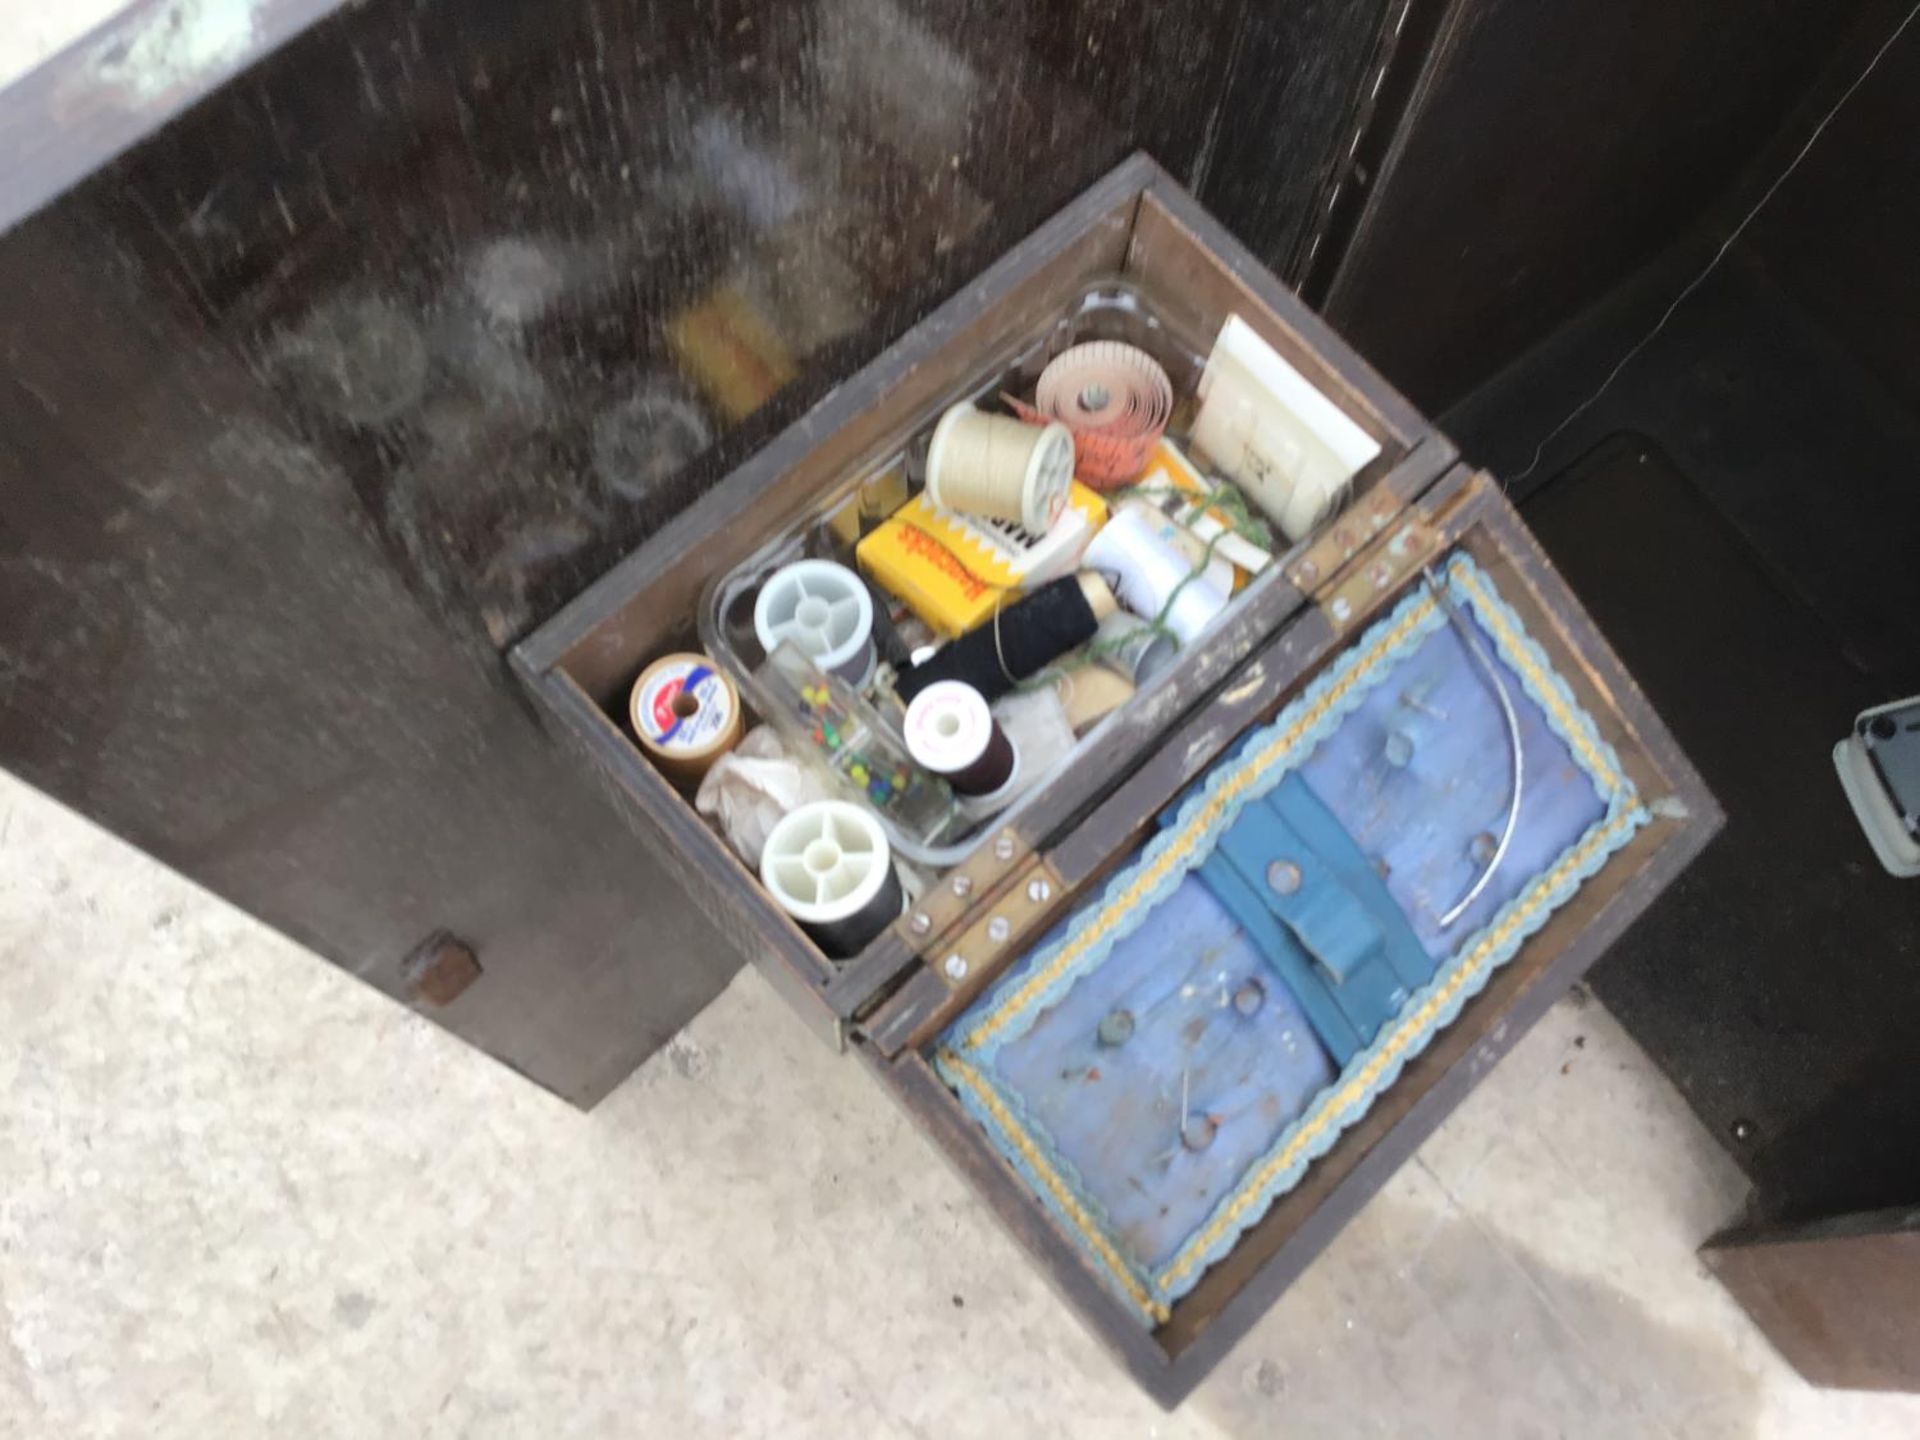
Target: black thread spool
1020	641
950	731
829	866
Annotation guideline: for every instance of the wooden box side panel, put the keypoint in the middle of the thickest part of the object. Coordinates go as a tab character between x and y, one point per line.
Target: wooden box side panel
709	871
1180	252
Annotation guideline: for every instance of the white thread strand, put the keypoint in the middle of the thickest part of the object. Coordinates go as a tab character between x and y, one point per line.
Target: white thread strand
1726	245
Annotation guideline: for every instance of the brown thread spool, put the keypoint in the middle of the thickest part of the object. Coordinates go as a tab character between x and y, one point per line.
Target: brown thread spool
950	731
1004	469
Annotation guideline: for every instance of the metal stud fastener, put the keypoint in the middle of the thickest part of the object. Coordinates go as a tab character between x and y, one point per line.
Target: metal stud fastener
1003	848
1283	877
1198	1132
1250	997
1482	847
921	922
963	885
1115	1028
998	929
1399	749
1305	573
1381	574
1342	609
1039	891
956	967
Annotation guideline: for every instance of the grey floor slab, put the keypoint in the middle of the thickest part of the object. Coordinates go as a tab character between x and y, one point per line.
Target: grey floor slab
240	1194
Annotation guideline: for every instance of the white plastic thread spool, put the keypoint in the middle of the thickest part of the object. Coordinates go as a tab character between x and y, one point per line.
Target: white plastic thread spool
1004	469
829	866
825	610
1147	571
950	731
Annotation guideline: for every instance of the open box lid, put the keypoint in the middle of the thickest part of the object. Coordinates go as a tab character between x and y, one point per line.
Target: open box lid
1008	1067
1137	224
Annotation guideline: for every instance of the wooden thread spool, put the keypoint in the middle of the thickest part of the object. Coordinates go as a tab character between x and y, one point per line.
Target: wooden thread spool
1000	468
1019	641
1091	693
686	715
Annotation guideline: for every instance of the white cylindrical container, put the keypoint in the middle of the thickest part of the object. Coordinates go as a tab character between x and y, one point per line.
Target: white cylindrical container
1147	571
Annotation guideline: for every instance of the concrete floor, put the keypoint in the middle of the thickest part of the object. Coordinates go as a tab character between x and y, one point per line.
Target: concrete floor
245	1195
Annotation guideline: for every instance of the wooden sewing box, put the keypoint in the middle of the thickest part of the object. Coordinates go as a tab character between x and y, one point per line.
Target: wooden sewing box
984	957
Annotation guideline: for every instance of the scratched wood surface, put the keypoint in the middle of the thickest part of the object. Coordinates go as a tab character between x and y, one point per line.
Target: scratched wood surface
341	350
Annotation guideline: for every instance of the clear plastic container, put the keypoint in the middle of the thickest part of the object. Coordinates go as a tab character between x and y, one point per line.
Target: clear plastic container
1104	310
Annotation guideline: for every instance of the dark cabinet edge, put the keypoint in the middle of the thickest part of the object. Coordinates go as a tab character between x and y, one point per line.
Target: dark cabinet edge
87	104
1898	1219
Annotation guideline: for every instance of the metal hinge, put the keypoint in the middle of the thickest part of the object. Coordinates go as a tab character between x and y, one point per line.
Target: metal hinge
945	906
999	927
1378	573
1314	570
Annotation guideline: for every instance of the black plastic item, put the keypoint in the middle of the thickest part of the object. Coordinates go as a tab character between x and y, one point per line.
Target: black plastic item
886	639
844	938
1020	641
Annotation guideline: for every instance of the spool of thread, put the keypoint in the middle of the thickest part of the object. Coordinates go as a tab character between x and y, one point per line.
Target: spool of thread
1000	468
825	610
1019	641
1132	647
1116	400
951	732
1147	573
1214	567
686	715
829	866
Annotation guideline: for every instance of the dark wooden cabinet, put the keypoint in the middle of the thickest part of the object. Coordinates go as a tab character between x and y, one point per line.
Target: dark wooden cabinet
340	352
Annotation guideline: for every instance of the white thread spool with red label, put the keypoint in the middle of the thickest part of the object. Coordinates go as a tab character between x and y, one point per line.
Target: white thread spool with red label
686	715
951	731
